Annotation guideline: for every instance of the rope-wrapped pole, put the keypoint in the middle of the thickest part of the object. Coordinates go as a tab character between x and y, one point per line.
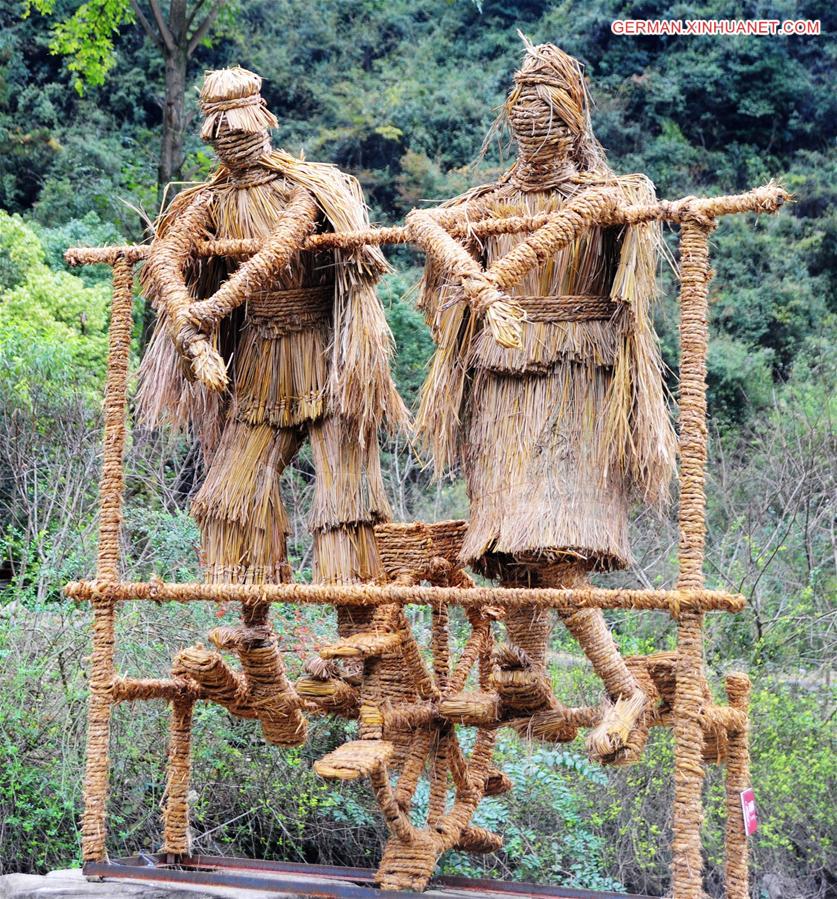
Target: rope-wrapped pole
688	733
569	600
736	867
766	199
111	484
176	811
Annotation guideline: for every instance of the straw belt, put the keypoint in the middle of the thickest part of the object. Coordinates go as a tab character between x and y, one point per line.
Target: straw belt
580	308
296	309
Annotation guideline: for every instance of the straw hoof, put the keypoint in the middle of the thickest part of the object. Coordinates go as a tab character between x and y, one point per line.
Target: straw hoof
479	840
473	709
322	669
620	735
408	866
507	657
497	782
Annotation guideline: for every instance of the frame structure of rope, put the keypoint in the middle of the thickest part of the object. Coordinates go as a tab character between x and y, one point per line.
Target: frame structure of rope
407	709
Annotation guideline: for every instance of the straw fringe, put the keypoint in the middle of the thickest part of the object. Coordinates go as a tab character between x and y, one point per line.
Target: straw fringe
281	381
349	487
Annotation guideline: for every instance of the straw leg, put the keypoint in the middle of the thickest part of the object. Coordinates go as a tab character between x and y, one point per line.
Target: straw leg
529	628
590	629
349	497
738	779
176	813
268	687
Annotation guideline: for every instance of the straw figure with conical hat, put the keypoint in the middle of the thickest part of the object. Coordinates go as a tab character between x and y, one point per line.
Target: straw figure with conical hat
549	391
255	357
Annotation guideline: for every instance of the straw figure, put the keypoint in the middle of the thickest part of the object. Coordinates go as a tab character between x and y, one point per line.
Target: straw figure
253	358
549	392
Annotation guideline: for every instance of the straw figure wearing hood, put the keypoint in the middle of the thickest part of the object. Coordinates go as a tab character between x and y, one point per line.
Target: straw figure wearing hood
255	356
551	401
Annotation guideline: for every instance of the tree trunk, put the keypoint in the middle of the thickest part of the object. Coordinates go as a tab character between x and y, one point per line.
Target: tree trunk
171	153
172	156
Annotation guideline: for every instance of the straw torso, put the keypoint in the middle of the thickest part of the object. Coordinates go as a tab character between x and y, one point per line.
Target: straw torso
531	459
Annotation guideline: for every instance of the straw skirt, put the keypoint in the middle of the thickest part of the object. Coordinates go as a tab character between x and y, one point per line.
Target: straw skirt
536	494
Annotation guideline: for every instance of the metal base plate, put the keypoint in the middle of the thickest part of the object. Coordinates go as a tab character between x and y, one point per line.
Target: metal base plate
327	881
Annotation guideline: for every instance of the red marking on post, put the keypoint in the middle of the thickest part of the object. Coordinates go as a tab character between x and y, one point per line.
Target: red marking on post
748	810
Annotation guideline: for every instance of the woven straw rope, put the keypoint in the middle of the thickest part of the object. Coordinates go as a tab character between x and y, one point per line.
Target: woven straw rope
736	868
104	610
766	199
687	862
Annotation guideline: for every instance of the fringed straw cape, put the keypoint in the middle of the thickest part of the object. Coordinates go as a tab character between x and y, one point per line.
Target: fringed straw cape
359	385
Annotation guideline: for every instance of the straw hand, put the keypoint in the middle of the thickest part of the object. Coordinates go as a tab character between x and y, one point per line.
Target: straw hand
503	315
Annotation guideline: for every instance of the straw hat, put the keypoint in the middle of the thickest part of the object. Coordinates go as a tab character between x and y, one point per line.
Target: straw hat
231	97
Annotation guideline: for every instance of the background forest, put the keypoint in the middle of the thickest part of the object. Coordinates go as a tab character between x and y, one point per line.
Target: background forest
402	94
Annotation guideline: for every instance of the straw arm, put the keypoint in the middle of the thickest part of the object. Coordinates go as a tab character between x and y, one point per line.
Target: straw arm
501	313
672	601
766	199
298	220
166	262
584	211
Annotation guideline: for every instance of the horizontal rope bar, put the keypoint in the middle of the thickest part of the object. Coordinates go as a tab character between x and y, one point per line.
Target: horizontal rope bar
766	199
671	601
133	689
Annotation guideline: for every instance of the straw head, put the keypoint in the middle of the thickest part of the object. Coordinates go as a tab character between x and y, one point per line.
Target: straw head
231	97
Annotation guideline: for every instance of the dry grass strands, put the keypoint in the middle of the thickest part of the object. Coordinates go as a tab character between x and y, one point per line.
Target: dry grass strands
230	97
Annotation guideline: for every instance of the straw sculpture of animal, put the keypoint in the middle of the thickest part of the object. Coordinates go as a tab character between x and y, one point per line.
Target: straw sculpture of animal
559	419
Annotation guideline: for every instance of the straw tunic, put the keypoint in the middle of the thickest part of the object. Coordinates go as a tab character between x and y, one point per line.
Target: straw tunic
549	477
288	382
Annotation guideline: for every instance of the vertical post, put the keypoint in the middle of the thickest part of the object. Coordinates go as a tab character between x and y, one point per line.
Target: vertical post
176	814
97	771
736	862
687	863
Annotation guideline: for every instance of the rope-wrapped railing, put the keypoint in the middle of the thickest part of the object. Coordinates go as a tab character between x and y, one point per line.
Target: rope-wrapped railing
675	602
766	199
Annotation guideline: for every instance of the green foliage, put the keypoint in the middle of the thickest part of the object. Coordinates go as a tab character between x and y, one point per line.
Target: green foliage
547	835
87	37
50	321
88	231
414	346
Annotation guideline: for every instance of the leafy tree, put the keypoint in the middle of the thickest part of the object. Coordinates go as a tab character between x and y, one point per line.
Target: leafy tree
87	38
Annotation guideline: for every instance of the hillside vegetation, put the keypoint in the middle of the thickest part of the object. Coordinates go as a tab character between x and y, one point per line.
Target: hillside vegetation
402	94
